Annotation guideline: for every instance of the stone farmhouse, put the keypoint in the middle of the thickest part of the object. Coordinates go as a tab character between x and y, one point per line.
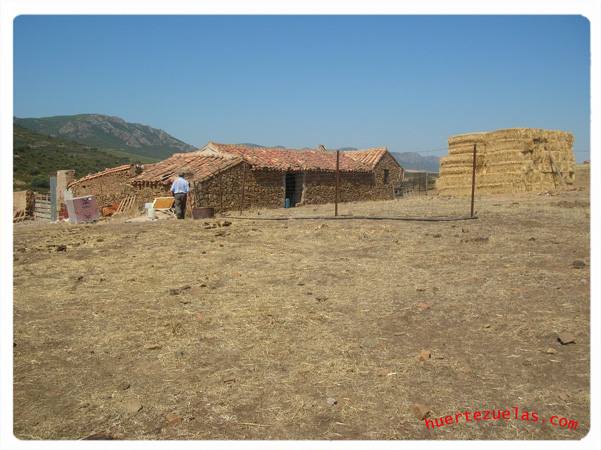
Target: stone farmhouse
229	176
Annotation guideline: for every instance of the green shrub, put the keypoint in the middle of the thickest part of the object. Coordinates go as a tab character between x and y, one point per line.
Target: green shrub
40	183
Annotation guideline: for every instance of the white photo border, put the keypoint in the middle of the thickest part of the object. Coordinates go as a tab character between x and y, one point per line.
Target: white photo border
10	9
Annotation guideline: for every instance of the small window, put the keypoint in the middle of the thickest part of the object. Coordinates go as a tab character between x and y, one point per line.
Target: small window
385	176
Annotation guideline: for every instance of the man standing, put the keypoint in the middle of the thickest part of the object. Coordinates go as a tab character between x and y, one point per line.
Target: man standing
180	189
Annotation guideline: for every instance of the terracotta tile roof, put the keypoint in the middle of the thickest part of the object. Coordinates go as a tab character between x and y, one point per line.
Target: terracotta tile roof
198	165
148	166
370	156
101	173
289	159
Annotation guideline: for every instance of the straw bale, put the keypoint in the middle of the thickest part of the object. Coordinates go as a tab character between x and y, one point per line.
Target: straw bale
509	160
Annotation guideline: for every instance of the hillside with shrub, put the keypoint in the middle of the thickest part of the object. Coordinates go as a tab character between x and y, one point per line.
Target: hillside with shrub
37	156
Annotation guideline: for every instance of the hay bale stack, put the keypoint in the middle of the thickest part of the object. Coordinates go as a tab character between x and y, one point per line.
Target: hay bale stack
511	160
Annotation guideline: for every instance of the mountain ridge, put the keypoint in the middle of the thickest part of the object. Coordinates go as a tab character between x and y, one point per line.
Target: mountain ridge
101	130
417	161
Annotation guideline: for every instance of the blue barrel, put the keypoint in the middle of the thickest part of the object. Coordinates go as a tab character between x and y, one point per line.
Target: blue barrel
287	203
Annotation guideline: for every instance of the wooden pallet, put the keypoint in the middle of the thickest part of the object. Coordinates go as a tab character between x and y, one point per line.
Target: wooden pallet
42	208
125	205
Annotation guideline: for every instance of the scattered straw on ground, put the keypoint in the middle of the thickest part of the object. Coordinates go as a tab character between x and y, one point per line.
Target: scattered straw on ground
305	330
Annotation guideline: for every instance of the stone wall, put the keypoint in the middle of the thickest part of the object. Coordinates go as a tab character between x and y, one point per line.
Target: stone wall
384	189
512	160
146	194
265	188
108	188
320	187
262	189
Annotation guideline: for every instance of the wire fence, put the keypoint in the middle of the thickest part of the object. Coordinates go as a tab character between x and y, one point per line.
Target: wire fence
416	183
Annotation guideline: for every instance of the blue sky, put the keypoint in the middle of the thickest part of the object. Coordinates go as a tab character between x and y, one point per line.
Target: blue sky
406	82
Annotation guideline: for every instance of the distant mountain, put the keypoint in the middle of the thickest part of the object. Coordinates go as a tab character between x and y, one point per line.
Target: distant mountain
250	144
416	161
342	149
36	157
108	132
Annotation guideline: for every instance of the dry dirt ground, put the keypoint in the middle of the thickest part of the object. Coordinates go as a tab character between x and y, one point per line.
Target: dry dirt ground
306	329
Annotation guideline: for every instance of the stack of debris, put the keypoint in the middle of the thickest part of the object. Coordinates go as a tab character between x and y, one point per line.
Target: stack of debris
511	160
116	208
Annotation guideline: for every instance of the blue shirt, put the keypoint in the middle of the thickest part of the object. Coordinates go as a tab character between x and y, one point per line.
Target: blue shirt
180	186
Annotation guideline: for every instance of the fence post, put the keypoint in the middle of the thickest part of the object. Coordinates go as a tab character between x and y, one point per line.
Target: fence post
220	193
53	197
473	181
190	201
337	182
242	192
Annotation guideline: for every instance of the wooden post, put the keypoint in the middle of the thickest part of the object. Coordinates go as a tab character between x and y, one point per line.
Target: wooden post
221	193
242	192
473	182
426	184
190	202
337	182
53	199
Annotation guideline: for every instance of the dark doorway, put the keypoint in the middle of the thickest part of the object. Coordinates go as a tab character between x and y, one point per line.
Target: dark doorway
293	183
